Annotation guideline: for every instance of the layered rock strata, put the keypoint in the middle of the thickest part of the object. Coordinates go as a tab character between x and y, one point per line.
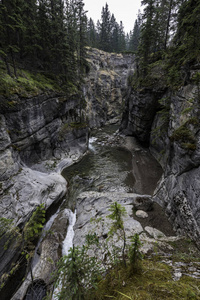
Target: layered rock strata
106	85
39	136
168	121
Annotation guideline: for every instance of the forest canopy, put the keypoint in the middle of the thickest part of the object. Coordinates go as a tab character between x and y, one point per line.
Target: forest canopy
50	36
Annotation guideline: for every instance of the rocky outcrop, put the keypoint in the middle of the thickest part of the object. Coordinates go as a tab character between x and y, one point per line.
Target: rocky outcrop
39	136
95	219
140	110
37	133
47	254
178	146
106	85
42	134
171	127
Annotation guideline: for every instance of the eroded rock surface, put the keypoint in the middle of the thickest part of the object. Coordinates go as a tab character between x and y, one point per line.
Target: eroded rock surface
174	138
106	85
92	212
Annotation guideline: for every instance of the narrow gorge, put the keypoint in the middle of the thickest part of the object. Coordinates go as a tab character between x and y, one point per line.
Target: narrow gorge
113	143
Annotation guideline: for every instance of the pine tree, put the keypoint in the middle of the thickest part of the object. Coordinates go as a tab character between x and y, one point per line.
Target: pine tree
43	23
135	37
29	39
114	38
122	41
146	46
188	32
91	34
117	226
105	29
10	28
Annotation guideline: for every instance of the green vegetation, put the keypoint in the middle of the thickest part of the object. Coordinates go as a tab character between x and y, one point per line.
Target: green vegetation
26	84
44	37
80	273
152	281
185	136
24	240
117	227
84	274
173	59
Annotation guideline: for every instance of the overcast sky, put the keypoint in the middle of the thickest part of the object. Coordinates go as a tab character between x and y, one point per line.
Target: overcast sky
124	10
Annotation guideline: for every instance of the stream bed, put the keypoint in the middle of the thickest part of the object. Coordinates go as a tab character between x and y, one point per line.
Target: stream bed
110	167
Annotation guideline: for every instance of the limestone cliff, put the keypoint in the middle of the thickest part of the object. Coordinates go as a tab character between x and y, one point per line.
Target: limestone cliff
41	134
168	121
37	134
106	85
36	130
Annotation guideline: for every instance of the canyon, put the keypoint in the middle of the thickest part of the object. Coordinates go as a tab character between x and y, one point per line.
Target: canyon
40	136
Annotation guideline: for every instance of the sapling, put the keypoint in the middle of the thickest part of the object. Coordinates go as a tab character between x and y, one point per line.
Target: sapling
117	226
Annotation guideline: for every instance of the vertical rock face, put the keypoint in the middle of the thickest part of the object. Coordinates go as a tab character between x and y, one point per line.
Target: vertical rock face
36	130
140	110
172	129
35	135
106	85
177	145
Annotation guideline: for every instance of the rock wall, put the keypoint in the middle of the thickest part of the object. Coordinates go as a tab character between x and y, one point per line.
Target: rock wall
36	134
38	137
168	121
177	145
106	85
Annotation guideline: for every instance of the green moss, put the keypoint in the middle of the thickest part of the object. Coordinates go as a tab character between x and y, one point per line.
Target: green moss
71	126
185	136
187	110
26	84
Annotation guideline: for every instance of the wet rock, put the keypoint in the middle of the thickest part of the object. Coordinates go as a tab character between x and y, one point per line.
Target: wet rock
28	190
141	214
92	212
143	203
140	110
178	191
44	264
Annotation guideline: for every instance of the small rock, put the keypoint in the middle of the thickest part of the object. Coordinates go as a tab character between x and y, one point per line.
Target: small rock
155	233
141	214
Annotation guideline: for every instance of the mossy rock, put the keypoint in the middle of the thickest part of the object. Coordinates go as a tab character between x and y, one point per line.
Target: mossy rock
185	136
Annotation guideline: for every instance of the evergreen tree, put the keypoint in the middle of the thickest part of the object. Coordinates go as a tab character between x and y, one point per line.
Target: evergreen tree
10	28
122	41
82	37
44	40
29	40
114	42
105	29
134	37
147	35
91	34
187	38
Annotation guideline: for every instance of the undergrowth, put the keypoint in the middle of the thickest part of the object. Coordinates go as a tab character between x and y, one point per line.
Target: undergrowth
152	281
